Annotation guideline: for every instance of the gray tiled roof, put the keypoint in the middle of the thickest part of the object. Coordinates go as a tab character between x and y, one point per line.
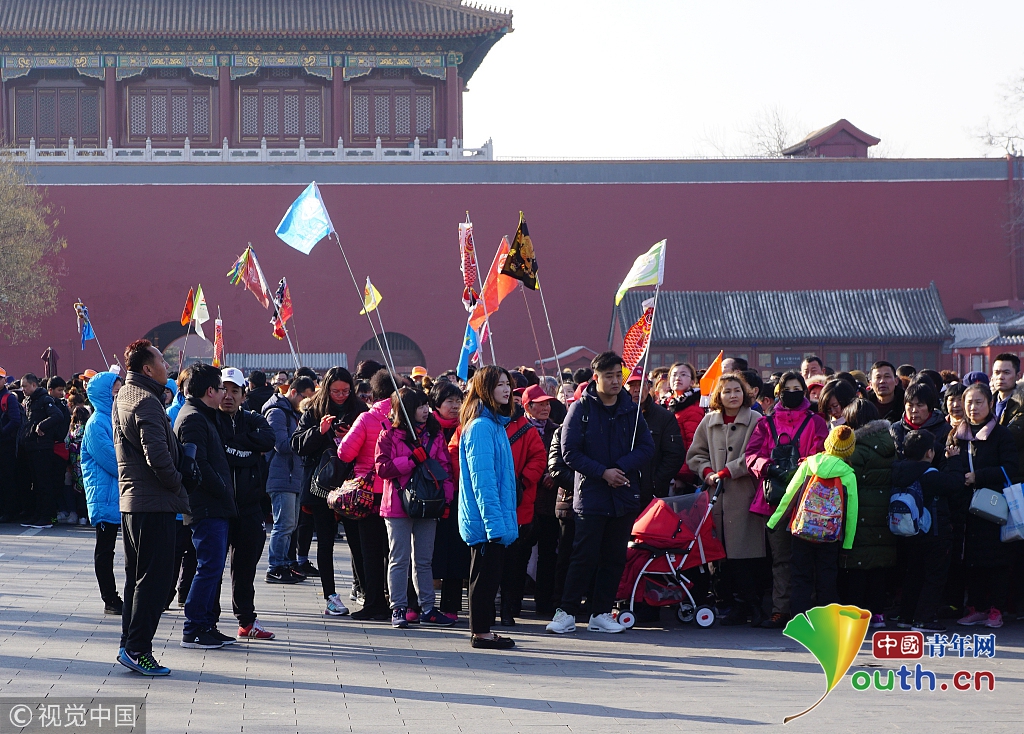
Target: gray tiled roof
793	317
246	18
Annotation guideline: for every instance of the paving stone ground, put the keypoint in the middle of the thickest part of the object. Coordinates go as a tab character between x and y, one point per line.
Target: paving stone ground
336	675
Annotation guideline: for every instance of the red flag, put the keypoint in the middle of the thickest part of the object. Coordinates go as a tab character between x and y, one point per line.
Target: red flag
283	299
186	315
278	325
635	343
253	281
496	287
218	343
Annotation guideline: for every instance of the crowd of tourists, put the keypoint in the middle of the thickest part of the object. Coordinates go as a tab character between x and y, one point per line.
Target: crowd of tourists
452	494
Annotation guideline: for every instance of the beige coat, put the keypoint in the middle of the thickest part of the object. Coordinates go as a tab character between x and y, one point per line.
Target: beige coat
718	446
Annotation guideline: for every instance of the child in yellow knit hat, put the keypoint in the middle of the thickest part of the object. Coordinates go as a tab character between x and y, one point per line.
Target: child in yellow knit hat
821	495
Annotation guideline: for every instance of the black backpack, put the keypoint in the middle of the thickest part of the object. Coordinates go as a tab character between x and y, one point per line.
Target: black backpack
423	496
785	461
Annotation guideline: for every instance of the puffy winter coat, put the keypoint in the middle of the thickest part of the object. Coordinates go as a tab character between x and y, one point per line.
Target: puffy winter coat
44	414
394	466
936	425
246	437
991	451
669	452
787	423
99	462
825	466
874	546
688	415
718	446
487	482
360	443
285	469
530	461
179	399
215	495
596	438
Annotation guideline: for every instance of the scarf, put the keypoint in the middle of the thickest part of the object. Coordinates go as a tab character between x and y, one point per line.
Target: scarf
539	425
446	423
688	398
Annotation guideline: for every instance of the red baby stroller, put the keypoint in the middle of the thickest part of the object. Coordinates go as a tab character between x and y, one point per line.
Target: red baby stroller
672	535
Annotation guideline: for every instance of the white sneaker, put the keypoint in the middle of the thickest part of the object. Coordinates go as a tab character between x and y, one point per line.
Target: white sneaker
605	623
335	606
62	518
562	623
72	518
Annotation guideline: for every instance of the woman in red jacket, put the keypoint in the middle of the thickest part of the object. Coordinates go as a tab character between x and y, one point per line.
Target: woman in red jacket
684	402
531	460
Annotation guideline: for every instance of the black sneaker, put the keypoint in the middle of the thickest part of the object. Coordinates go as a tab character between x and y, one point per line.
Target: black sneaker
203	640
928	627
221	636
283	575
113	607
299	577
307	569
398	620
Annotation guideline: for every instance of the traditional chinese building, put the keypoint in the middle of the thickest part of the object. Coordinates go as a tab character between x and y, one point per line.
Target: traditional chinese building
236	73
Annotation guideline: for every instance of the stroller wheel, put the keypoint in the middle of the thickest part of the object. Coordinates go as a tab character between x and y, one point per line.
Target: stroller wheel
626	618
686	613
705	616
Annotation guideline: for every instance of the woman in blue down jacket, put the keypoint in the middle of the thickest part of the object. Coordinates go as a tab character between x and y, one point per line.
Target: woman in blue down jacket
487	496
99	474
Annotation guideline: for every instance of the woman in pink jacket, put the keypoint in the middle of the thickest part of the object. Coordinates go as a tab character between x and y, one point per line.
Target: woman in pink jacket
792	415
411	540
367	538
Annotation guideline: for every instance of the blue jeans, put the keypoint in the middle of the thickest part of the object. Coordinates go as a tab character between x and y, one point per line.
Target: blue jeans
286	519
210	538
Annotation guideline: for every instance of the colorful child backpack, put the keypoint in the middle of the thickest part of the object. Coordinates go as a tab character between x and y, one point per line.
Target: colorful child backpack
820	505
907	514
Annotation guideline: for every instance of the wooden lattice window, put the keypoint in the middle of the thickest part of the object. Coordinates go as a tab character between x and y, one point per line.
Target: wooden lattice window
282	105
53	115
393	115
166	115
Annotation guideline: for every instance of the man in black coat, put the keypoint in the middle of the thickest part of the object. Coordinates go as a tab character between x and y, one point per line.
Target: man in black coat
212	505
246	436
669	455
44	428
260	392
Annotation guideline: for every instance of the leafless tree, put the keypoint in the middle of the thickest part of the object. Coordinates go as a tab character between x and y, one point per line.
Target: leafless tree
771	131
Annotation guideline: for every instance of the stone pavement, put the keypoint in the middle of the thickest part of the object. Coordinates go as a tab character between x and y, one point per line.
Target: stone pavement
337	675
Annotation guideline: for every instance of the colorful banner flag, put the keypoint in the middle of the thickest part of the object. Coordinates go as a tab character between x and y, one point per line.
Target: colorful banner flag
648	269
707	382
467	252
200	314
371	298
246	272
278	325
186	314
283	301
306	222
637	339
470	348
521	262
84	325
496	287
218	343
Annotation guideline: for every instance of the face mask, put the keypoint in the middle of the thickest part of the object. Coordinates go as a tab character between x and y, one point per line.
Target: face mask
792	399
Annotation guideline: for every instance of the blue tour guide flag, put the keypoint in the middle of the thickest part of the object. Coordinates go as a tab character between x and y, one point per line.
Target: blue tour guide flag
470	346
87	333
306	222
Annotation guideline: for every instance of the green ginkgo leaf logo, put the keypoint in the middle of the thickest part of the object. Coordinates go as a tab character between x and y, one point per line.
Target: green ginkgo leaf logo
834	635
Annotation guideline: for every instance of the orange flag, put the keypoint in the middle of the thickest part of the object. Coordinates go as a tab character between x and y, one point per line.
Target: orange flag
496	287
186	315
707	382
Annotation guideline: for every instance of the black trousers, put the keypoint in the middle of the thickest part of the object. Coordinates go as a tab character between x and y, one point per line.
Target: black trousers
302	538
355	551
247	536
10	495
103	561
148	569
485	567
185	562
987	586
43	470
451	596
813	570
956	579
566	539
326	527
599	548
927	566
373	539
513	572
866	588
546	532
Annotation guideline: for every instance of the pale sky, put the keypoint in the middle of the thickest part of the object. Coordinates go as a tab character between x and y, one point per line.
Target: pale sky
652	78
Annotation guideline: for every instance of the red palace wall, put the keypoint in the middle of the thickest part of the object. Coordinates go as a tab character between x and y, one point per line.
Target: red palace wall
134	251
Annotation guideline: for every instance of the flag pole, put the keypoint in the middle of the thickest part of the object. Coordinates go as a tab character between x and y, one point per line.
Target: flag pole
184	347
483	301
551	333
94	336
522	289
647	357
277	307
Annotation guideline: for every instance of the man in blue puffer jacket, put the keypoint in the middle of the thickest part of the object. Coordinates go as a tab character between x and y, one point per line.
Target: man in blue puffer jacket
99	473
606	442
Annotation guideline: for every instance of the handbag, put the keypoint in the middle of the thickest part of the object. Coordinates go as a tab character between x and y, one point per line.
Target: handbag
987	503
354	499
330	474
423	495
1014	527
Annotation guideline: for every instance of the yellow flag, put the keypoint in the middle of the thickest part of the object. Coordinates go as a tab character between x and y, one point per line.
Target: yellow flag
371	297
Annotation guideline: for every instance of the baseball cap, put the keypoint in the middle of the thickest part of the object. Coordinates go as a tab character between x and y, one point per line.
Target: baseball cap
535	394
419	371
636	374
233	375
89	374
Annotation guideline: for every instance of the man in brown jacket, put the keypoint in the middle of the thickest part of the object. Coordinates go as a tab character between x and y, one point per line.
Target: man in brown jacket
150	484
